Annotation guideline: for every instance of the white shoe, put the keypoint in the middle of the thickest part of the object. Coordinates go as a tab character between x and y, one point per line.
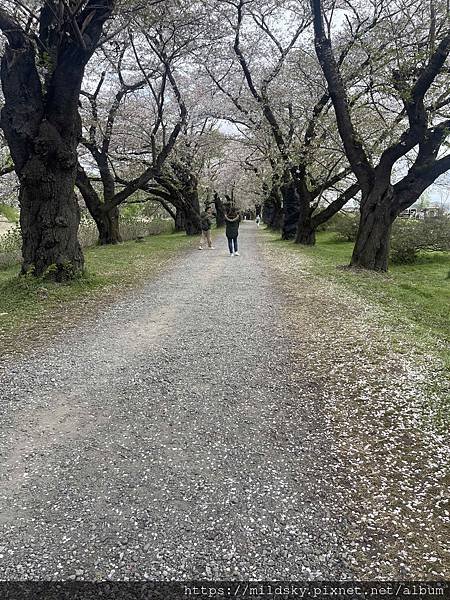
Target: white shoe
231	255
200	248
212	247
236	254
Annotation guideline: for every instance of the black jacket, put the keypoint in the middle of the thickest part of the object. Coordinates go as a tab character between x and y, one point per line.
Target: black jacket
232	226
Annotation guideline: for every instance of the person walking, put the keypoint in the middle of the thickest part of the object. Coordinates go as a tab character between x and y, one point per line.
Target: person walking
258	214
232	220
206	220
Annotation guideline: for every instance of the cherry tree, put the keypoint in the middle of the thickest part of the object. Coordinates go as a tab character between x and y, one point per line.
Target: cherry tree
411	98
306	164
48	45
139	129
129	155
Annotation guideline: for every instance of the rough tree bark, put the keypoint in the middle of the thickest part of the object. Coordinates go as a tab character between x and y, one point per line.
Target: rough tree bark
306	232
291	210
179	220
42	126
107	221
109	227
272	212
185	193
371	250
191	213
312	218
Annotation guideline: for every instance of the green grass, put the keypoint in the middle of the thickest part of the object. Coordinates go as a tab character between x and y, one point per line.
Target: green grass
29	307
11	213
417	295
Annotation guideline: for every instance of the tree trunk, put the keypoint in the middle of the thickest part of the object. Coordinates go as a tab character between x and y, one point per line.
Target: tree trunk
192	223
272	211
50	215
220	211
305	230
371	249
180	219
306	233
42	126
276	220
108	225
106	217
290	210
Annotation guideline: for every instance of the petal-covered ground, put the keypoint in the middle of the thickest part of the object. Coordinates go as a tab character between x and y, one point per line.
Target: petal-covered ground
381	407
233	418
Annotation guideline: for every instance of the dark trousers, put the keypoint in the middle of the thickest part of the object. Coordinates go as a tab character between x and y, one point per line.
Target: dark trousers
232	242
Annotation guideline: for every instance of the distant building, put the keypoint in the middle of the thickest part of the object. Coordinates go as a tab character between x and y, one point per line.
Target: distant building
428	212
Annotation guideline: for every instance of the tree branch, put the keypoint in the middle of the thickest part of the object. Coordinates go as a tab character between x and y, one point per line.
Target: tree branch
353	146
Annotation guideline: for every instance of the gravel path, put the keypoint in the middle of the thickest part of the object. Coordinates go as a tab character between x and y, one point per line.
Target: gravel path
184	434
168	439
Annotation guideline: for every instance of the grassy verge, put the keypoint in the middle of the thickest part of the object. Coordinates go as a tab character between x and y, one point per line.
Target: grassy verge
9	212
31	308
416	297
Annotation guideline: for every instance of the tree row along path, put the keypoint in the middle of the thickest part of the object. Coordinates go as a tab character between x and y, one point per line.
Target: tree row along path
233	418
